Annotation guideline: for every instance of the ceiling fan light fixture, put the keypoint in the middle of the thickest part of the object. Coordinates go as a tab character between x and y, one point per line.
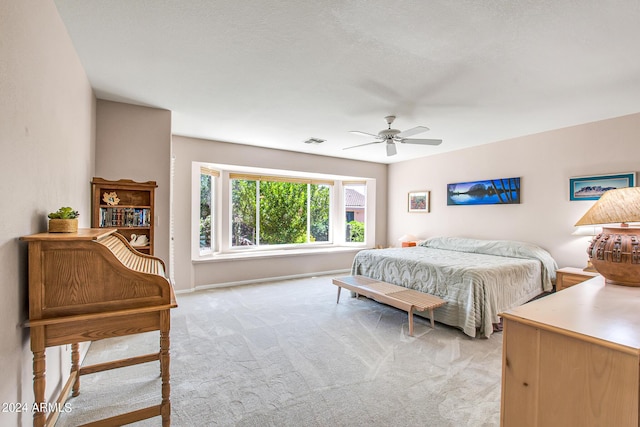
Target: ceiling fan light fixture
391	149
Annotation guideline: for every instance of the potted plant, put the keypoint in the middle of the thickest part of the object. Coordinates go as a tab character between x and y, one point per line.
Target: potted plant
64	220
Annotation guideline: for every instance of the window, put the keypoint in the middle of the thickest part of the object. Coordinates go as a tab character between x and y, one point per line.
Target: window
248	211
207	208
279	211
319	213
355	206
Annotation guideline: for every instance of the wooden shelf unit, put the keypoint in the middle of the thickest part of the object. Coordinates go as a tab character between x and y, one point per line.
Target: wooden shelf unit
134	212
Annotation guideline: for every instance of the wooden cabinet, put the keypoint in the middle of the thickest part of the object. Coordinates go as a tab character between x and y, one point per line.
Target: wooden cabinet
573	359
128	206
569	276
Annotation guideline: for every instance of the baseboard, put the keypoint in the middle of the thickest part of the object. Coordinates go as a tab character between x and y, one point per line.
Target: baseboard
264	280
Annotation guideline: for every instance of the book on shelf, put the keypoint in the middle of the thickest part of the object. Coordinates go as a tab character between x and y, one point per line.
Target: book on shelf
125	217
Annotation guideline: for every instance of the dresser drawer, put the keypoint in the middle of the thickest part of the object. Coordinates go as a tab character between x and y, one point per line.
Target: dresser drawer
569	276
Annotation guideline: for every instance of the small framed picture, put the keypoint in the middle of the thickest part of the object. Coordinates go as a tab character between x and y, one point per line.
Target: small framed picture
419	201
592	187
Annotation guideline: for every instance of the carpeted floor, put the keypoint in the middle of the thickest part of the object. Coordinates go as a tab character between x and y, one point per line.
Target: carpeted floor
285	354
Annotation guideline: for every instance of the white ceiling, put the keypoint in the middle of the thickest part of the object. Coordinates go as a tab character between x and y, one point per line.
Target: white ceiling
274	73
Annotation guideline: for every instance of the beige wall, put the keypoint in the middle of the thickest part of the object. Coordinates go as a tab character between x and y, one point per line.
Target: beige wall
47	111
544	161
187	150
134	142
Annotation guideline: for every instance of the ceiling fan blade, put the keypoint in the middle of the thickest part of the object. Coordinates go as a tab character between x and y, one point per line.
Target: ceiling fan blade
422	141
362	145
413	131
357	132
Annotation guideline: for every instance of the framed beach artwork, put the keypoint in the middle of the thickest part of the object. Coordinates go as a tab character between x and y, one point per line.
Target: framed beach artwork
419	201
504	191
592	187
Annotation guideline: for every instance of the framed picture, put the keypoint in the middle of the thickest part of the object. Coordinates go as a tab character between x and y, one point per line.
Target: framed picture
592	187
504	191
419	201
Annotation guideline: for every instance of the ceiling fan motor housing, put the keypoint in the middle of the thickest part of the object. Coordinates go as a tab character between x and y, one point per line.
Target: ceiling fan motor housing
388	133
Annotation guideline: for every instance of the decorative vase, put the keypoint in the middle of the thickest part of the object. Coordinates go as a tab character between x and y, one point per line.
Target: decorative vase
615	253
63	225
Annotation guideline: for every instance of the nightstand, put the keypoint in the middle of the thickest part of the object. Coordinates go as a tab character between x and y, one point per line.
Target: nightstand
569	276
408	244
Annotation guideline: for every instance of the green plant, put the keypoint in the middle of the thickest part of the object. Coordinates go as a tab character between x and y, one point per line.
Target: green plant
64	212
357	231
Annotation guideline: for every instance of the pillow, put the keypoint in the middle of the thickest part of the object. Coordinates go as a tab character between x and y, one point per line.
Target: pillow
506	248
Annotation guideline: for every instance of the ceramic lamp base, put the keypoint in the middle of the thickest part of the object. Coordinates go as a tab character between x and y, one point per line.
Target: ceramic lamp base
615	254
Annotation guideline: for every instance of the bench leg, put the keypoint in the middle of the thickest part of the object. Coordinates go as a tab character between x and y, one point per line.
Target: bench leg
339	289
411	322
433	324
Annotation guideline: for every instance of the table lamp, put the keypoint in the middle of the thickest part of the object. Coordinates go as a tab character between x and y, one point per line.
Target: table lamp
407	240
615	253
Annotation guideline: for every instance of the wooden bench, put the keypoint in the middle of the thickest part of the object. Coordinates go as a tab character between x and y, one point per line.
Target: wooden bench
393	295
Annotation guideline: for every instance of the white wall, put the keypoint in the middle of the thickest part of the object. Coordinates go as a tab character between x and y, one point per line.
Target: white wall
47	138
187	150
134	142
544	161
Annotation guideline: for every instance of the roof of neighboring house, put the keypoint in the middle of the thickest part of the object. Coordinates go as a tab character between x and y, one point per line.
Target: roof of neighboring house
353	199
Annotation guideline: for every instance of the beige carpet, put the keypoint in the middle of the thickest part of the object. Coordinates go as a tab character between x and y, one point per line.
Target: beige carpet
285	354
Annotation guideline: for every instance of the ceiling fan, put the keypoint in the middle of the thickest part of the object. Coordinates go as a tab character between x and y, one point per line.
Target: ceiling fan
391	136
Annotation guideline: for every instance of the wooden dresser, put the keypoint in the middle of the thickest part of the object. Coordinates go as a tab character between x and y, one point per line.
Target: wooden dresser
91	285
573	359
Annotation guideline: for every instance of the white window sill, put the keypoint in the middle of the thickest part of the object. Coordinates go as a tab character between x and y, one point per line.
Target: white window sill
275	253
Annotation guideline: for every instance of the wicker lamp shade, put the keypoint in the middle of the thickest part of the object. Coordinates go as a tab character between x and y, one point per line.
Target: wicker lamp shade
615	253
614	207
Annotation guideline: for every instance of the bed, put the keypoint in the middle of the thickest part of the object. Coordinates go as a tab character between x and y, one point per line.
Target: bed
478	278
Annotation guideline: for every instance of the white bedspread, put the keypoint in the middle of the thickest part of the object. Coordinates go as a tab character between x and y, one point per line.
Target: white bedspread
477	278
